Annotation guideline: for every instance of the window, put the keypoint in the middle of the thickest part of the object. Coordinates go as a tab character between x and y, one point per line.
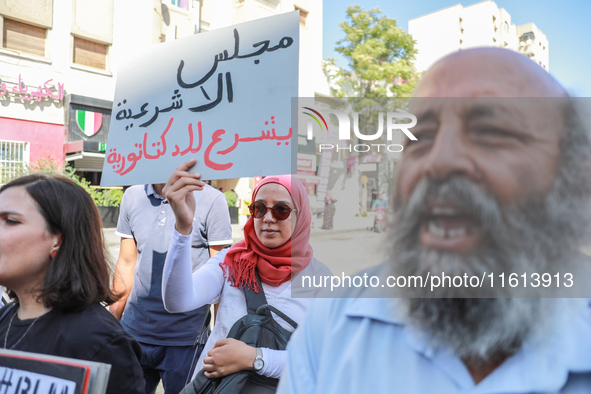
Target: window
14	157
184	4
89	53
273	4
527	38
303	16
23	37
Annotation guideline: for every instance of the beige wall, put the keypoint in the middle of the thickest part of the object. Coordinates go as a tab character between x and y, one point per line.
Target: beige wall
482	24
538	49
93	20
130	27
436	35
35	12
222	13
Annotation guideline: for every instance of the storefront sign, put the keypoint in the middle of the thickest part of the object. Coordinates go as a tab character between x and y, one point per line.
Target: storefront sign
20	91
306	162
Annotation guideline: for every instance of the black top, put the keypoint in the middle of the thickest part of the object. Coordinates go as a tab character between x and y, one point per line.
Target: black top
92	334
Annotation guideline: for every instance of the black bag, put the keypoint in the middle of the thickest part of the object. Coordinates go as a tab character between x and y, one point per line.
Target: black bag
257	329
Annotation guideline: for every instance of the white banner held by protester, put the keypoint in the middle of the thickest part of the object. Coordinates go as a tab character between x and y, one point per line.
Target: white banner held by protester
222	97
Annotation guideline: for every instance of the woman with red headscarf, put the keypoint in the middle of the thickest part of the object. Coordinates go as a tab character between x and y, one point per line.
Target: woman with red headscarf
276	245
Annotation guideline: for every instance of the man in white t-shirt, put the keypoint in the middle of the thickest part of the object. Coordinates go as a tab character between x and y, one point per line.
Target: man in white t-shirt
146	224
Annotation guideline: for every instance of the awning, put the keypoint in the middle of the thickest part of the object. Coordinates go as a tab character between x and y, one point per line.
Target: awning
86	161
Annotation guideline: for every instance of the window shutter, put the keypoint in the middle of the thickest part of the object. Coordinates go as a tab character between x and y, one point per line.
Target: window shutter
23	37
88	53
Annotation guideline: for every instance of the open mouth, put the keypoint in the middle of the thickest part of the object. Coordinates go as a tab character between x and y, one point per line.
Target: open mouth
448	227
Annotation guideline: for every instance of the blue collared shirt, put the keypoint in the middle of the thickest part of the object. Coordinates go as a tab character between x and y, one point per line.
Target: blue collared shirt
358	345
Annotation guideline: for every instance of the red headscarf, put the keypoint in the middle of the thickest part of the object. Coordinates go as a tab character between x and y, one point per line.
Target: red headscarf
275	266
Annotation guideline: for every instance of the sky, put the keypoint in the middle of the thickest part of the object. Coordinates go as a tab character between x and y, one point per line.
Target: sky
565	23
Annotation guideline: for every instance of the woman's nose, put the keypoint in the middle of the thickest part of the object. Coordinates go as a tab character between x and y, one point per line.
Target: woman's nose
268	216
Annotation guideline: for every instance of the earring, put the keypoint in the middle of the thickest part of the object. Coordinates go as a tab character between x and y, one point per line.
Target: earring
53	253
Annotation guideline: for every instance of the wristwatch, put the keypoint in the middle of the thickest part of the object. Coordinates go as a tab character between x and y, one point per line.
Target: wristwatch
258	362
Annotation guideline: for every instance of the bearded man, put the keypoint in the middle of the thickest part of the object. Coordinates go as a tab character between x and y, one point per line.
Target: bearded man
497	182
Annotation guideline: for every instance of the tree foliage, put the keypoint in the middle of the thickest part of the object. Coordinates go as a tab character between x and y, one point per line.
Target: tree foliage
380	57
47	165
231	198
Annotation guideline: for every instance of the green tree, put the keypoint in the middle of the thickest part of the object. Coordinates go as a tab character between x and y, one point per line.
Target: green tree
47	165
231	198
380	57
379	77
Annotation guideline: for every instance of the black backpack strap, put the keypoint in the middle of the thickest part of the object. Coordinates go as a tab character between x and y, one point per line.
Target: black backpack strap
267	309
203	334
254	300
199	344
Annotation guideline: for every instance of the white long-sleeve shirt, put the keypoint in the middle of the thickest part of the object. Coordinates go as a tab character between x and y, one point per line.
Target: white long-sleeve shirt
184	290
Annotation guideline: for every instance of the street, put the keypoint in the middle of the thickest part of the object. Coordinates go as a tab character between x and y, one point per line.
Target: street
349	252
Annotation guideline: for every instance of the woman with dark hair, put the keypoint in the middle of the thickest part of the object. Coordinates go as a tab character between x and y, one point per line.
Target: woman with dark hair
53	263
275	246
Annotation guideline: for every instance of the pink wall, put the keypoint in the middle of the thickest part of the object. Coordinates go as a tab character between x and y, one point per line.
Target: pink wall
46	139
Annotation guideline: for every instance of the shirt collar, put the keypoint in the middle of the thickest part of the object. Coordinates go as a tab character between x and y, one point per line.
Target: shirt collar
362	304
383	309
538	366
150	191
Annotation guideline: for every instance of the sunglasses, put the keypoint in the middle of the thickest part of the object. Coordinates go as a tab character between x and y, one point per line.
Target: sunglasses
280	211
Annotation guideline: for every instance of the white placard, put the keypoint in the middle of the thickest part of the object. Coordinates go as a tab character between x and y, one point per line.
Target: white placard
222	97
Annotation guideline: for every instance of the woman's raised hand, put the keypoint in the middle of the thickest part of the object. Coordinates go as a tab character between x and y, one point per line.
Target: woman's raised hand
179	193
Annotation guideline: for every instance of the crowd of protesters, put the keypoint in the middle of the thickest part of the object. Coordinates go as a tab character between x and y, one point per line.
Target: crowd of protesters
482	186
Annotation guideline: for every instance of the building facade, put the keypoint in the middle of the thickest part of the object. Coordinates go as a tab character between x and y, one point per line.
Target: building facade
59	61
482	24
